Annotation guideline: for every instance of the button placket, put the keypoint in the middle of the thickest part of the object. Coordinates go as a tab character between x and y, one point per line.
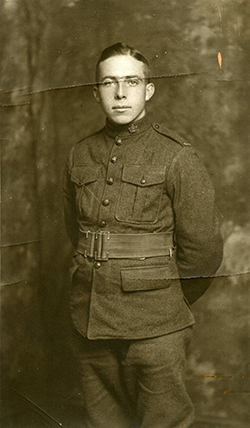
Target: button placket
108	194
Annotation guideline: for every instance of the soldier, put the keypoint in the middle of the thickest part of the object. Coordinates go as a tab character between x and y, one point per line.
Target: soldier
140	212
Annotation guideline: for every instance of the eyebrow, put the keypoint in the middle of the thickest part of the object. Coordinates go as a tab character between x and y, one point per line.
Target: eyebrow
123	77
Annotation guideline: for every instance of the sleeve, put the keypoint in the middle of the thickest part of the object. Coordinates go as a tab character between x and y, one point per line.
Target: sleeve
197	232
70	213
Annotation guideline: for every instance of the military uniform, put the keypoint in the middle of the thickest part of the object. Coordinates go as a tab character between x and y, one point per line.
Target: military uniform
139	209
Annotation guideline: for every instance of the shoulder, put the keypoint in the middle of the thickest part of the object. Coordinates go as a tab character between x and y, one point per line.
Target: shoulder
90	137
81	149
183	156
86	142
170	135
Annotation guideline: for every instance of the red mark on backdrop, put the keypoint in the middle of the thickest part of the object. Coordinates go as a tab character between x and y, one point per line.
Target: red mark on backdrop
220	62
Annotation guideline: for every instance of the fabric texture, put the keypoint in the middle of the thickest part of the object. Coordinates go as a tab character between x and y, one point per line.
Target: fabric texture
133	313
144	179
134	383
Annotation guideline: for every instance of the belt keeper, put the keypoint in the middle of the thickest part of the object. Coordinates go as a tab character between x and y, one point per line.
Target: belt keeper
170	252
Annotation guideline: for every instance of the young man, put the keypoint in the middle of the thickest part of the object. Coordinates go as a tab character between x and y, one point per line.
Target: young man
139	210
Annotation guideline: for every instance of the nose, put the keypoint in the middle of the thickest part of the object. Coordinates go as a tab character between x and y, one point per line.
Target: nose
120	91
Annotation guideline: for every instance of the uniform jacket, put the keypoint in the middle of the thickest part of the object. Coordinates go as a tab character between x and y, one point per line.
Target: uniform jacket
140	178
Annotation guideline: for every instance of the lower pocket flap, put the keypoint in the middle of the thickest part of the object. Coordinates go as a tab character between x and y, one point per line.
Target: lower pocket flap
147	278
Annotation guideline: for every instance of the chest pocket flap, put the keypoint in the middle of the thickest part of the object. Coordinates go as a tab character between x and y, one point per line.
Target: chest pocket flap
143	175
83	174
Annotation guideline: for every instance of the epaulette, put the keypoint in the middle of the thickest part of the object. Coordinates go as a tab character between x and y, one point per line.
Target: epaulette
170	134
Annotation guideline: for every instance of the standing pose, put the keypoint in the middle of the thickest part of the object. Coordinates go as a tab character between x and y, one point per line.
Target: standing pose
140	212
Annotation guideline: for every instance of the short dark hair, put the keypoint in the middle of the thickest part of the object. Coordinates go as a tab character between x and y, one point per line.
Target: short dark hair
122	49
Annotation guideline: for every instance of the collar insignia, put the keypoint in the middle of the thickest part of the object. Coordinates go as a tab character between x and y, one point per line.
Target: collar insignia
133	128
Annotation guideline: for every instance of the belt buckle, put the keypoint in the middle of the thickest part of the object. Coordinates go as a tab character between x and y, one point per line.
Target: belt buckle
99	247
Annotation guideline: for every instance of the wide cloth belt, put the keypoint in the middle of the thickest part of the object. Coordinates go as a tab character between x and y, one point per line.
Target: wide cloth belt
105	245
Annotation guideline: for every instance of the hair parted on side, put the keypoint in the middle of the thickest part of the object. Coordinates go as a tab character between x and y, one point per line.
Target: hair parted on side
122	49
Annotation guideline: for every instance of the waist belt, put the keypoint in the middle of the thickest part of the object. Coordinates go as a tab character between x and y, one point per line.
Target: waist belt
104	245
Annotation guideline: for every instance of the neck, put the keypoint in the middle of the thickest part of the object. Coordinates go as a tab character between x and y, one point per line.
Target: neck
130	128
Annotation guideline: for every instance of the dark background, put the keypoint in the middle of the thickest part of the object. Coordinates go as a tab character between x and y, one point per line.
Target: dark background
48	55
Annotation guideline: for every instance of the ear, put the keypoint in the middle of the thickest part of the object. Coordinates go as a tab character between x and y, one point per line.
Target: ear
150	90
96	94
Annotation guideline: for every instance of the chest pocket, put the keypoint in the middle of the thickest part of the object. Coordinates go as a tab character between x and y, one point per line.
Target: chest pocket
141	193
85	178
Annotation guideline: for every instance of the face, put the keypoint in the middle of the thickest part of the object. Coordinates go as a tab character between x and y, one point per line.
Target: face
123	90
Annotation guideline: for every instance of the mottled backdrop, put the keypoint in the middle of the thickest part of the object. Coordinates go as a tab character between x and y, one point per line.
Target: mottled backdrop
49	50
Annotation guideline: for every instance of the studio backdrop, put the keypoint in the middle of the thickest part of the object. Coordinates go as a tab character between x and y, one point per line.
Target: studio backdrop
200	61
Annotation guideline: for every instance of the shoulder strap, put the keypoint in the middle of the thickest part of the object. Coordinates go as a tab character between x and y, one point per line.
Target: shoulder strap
170	134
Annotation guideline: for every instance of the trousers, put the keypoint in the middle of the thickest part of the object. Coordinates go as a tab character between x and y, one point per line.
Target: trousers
134	383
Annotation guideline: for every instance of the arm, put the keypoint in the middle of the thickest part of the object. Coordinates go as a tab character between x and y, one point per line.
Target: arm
70	212
198	238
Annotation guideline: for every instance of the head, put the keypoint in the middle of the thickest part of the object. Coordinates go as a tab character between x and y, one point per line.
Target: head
123	85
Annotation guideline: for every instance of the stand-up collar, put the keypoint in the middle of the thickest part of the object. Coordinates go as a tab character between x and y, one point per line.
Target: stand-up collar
129	129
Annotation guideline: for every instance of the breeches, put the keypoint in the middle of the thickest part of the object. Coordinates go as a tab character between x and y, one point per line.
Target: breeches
134	383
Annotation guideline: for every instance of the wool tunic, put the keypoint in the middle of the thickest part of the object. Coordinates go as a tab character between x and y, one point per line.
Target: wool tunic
135	179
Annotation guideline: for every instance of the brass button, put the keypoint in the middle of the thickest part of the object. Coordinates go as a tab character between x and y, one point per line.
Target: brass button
118	141
105	202
110	180
97	265
143	181
102	223
114	159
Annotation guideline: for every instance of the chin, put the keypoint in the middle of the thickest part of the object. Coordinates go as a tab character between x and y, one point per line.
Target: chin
122	120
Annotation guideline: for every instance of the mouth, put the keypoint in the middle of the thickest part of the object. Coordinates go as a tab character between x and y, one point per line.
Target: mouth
121	109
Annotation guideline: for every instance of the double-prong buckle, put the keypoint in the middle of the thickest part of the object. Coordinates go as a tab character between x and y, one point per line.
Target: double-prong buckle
97	246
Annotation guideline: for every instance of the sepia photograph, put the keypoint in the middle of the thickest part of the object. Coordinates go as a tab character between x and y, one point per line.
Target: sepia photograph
125	243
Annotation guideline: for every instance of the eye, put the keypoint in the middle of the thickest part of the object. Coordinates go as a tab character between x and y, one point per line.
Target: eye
133	82
108	83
